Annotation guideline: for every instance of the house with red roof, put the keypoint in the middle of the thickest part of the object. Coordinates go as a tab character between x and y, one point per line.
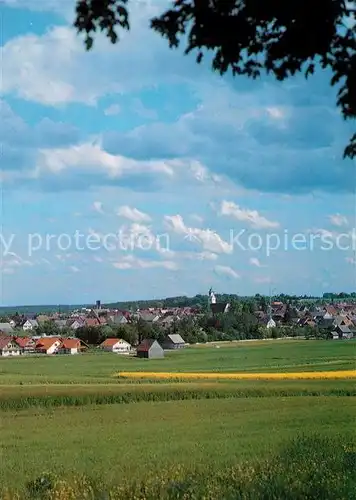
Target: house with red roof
92	322
8	346
27	344
118	346
70	346
48	345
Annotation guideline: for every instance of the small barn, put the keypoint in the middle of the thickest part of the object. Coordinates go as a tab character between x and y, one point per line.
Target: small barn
173	341
343	332
150	349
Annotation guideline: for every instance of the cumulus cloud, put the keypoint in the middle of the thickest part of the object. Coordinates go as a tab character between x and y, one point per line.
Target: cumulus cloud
268	136
132	214
209	239
233	135
338	220
204	256
227	271
78	76
92	157
252	217
132	262
87	164
12	261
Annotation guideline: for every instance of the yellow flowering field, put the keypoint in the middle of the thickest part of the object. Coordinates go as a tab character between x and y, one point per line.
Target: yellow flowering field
342	374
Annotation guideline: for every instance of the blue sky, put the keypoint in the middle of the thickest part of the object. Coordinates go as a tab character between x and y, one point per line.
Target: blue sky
129	171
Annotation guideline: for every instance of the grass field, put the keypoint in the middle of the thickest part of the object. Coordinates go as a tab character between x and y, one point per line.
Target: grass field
276	356
68	414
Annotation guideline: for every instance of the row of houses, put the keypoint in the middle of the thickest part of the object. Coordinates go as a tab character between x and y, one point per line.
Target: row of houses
15	346
93	318
148	348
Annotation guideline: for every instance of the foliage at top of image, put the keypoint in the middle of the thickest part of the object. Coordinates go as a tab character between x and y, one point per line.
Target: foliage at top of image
251	37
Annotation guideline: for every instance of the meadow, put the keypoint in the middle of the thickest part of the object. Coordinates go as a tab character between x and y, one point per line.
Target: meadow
260	356
71	415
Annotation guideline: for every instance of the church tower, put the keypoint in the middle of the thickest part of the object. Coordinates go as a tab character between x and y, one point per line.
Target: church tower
212	298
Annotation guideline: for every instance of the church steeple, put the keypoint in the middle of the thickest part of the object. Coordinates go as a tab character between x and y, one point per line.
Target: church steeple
212	298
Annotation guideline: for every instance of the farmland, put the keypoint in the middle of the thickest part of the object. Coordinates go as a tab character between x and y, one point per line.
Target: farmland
70	414
276	356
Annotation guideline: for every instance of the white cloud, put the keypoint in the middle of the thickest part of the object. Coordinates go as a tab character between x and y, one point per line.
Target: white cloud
131	262
74	269
338	220
200	173
256	220
227	271
255	262
114	109
32	68
13	261
189	255
95	166
54	68
209	239
91	157
197	218
122	265
98	207
276	113
132	214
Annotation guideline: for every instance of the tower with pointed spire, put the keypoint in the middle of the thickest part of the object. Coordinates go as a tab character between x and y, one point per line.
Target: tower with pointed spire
212	298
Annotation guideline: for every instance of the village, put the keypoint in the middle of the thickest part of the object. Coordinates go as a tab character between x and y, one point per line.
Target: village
170	328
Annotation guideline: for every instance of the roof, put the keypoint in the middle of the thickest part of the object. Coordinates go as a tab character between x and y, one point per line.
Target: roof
4	340
70	343
6	327
344	329
32	321
23	341
219	307
92	322
109	342
176	338
148	316
326	323
146	345
60	322
46	342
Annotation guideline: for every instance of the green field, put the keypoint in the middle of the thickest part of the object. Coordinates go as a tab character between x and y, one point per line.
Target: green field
268	356
68	414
